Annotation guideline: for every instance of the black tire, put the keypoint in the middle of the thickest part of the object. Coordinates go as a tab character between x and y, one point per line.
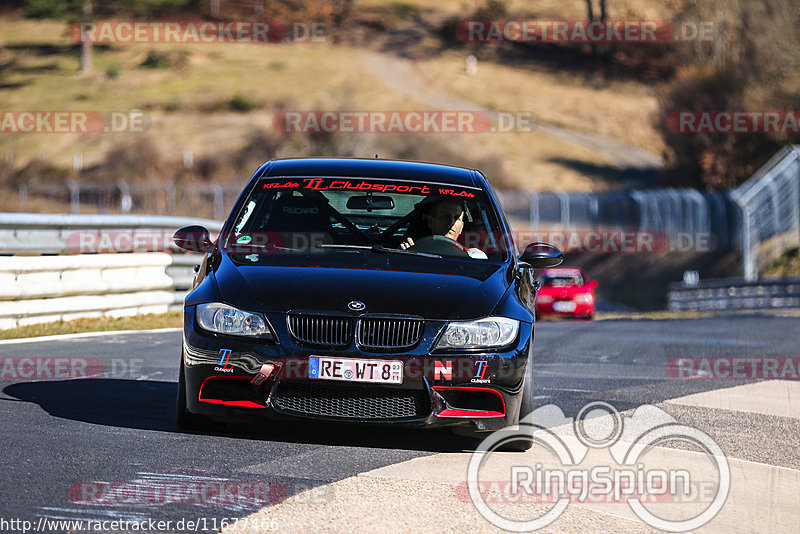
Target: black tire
526	407
184	419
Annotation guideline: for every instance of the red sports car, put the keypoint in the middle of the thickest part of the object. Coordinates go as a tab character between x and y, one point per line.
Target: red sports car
565	292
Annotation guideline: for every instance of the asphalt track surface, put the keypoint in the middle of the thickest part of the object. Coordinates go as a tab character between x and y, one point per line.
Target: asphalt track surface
59	435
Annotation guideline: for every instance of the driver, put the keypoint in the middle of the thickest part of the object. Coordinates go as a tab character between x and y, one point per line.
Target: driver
446	218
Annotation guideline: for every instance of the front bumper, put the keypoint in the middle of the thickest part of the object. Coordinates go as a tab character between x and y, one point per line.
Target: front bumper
479	390
582	309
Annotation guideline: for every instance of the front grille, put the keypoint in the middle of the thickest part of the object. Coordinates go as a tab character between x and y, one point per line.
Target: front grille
321	330
354	403
380	333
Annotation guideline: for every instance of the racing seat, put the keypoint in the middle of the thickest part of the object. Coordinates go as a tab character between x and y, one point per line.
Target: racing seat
301	221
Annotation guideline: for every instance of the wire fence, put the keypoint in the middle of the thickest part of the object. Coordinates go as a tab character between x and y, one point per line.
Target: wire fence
761	218
686	218
161	198
770	211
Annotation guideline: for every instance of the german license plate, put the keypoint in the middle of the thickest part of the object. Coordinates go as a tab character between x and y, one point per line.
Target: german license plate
564	306
354	370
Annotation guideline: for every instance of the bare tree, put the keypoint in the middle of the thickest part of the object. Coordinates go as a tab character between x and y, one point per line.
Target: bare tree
86	44
341	10
590	16
748	61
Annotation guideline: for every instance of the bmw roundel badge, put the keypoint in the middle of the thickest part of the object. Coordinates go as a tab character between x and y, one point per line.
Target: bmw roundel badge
356	305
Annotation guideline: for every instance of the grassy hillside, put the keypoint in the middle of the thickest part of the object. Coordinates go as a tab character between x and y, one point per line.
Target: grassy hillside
214	99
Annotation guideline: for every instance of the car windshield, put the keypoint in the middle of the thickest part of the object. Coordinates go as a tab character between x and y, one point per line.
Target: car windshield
562	280
314	216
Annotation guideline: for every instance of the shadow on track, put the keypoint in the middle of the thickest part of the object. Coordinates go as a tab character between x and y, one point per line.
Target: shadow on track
150	405
142	404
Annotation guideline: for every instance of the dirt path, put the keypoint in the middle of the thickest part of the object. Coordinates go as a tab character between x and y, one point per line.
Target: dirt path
400	75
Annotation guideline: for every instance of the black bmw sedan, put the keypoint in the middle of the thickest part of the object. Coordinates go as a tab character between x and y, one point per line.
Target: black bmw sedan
361	291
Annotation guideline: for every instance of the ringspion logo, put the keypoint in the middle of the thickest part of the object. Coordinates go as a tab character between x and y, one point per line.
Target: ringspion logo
599	456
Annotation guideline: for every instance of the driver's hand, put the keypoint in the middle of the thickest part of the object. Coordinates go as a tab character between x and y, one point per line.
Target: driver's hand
407	243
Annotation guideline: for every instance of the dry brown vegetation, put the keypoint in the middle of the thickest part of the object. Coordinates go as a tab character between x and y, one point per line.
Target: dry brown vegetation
217	101
752	64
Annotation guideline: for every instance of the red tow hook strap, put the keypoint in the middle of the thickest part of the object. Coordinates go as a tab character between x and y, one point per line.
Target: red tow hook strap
263	374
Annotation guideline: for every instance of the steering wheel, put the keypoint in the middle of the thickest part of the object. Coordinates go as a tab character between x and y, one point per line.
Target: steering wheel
439	244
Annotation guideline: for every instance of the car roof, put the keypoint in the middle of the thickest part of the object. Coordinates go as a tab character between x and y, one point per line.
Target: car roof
373	168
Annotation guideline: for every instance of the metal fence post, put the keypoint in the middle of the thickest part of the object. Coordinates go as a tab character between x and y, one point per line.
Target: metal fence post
125	200
533	198
794	198
563	199
171	197
23	197
74	196
594	210
219	207
749	267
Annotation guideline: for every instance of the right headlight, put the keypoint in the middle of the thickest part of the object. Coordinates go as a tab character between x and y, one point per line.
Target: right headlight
225	319
483	333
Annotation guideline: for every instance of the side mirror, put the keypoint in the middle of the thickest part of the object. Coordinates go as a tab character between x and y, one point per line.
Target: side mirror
193	238
592	284
541	255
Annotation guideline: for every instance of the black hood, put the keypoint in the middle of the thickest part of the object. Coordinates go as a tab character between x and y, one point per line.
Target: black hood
385	284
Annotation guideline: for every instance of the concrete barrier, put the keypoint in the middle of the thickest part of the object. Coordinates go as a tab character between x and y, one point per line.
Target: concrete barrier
41	289
79	278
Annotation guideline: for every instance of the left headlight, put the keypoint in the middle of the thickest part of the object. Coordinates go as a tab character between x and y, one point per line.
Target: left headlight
480	334
225	319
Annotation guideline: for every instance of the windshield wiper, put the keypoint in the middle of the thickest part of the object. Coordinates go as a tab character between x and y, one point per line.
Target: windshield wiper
379	249
262	246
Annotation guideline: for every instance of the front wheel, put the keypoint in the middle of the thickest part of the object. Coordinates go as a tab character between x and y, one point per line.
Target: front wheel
524	441
184	419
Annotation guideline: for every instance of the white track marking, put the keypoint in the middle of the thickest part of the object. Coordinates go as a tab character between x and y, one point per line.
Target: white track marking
80	335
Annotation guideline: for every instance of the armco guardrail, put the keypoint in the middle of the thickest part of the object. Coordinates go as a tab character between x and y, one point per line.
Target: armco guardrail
735	294
65	284
37	233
